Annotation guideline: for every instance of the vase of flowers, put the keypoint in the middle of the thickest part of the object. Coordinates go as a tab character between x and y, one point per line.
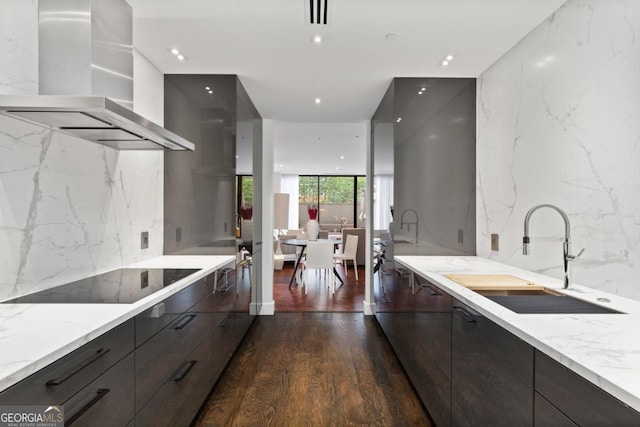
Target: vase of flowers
313	227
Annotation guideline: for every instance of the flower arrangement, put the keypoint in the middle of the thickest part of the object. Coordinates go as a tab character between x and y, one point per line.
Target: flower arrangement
312	210
246	211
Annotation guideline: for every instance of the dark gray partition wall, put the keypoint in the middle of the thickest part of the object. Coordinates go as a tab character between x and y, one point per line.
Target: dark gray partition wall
431	157
200	186
199	206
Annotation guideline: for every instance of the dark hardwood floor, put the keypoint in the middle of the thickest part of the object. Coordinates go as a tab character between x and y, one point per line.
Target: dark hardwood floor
314	369
318	362
349	297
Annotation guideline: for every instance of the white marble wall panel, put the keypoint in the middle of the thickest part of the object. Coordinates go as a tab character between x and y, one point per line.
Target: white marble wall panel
19	47
558	121
69	207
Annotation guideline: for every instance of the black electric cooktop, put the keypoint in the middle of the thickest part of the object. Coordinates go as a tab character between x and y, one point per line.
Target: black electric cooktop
122	286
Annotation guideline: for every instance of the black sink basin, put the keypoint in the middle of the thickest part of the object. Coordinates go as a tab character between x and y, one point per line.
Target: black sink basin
548	304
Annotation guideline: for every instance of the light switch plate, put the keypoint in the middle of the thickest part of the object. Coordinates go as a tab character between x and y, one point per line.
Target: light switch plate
144	240
495	242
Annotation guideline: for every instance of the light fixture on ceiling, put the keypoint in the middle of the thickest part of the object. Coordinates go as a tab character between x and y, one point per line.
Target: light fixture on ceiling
399	119
341	157
210	92
317	39
176	52
207	88
447	60
318	101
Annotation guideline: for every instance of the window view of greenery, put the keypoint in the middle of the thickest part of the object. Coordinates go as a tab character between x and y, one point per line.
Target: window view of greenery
335	197
247	189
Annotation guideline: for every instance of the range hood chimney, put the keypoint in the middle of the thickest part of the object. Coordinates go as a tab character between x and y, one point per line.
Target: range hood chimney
86	77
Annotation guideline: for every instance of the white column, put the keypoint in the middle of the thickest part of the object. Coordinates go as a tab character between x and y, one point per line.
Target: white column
369	302
262	303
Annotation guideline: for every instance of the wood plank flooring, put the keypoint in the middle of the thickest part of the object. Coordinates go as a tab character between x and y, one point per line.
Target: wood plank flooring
314	369
348	298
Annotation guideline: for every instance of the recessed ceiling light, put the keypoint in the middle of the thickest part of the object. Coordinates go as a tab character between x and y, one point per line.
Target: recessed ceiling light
423	89
420	93
281	165
399	119
175	51
317	39
207	88
210	91
337	168
237	157
341	157
449	57
445	63
181	57
318	100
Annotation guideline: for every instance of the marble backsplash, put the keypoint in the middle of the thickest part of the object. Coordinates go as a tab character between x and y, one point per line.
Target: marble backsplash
558	121
68	207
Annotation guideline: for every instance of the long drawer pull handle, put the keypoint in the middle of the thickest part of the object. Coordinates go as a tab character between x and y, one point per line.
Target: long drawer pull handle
223	323
90	357
93	398
468	317
185	321
183	370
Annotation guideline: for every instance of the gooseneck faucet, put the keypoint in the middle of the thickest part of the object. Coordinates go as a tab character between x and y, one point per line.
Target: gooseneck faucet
409	224
566	245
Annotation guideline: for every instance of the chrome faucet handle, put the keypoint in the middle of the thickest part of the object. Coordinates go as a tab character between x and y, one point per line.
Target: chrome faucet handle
572	257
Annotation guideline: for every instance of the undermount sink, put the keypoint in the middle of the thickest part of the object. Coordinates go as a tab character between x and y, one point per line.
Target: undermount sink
542	301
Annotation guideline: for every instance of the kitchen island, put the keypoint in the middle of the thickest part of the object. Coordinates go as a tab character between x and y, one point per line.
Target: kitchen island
604	349
32	336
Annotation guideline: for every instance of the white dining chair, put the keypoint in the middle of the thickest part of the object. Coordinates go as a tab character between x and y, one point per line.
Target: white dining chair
319	257
349	253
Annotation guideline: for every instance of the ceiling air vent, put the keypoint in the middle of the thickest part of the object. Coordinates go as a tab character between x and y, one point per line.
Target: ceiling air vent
318	12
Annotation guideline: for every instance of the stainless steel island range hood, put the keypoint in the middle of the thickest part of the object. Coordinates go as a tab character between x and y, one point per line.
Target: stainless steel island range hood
85	63
95	118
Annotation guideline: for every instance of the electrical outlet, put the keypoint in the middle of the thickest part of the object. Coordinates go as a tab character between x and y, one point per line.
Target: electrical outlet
178	234
144	240
460	236
144	279
495	242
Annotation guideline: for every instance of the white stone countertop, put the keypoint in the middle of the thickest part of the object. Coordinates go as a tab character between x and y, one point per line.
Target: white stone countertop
34	335
603	348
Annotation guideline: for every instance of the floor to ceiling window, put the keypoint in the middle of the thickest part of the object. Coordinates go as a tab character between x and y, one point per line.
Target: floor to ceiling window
340	200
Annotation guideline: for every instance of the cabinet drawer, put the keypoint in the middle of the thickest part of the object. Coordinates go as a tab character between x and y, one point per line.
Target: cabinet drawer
223	300
158	357
107	401
151	321
183	391
582	401
62	379
182	301
547	415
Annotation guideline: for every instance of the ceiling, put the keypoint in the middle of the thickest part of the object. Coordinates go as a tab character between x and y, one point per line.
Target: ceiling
269	45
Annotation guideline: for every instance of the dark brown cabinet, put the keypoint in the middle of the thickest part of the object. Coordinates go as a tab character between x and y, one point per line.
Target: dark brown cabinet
107	401
62	379
432	350
547	415
491	372
580	401
153	370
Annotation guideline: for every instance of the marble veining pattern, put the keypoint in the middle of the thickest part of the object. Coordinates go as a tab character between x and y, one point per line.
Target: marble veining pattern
558	122
603	348
70	207
18	47
38	334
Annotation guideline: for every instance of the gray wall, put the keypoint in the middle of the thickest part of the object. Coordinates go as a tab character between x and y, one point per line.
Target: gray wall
200	185
432	162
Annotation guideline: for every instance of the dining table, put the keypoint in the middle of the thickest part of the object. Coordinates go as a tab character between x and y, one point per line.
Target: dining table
302	243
